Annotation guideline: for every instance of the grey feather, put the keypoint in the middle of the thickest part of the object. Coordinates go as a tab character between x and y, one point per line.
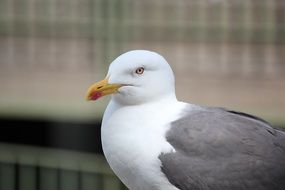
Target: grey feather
220	149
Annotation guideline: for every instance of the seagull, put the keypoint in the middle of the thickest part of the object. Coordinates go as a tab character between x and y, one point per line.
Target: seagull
152	141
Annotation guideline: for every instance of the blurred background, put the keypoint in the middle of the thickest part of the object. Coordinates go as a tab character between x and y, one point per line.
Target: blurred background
227	53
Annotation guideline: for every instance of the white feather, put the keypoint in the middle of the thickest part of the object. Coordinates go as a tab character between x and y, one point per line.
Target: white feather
133	137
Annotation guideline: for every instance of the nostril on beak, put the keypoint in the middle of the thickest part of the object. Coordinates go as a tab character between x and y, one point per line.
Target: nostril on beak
99	87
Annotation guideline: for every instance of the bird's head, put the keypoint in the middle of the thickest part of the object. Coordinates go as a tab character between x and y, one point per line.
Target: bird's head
136	77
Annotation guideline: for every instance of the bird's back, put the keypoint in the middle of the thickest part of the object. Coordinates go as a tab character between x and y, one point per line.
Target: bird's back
221	149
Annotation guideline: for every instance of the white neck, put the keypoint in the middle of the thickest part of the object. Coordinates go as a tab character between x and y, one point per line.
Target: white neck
115	105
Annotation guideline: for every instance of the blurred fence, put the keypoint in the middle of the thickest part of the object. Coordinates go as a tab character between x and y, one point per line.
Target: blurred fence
51	48
29	168
219	35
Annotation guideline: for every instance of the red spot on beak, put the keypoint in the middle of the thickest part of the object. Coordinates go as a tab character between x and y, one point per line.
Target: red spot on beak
96	95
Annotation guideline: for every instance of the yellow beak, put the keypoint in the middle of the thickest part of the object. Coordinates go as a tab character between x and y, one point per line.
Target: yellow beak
101	88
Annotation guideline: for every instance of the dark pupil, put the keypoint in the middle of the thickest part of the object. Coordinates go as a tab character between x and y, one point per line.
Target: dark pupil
139	71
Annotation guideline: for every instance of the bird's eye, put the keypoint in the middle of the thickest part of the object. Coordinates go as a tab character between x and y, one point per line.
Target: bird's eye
139	70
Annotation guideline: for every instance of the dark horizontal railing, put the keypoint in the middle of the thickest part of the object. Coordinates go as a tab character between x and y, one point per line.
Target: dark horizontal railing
15	176
48	155
84	137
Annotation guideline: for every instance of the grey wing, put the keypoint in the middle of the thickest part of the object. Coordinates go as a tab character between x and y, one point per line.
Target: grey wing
220	149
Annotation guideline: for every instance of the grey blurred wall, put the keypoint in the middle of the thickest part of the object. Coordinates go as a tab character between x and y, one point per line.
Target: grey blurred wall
224	52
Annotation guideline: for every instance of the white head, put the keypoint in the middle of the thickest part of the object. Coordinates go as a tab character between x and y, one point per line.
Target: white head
136	77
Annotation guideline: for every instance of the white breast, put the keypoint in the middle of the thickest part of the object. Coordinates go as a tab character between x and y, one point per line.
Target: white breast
133	137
